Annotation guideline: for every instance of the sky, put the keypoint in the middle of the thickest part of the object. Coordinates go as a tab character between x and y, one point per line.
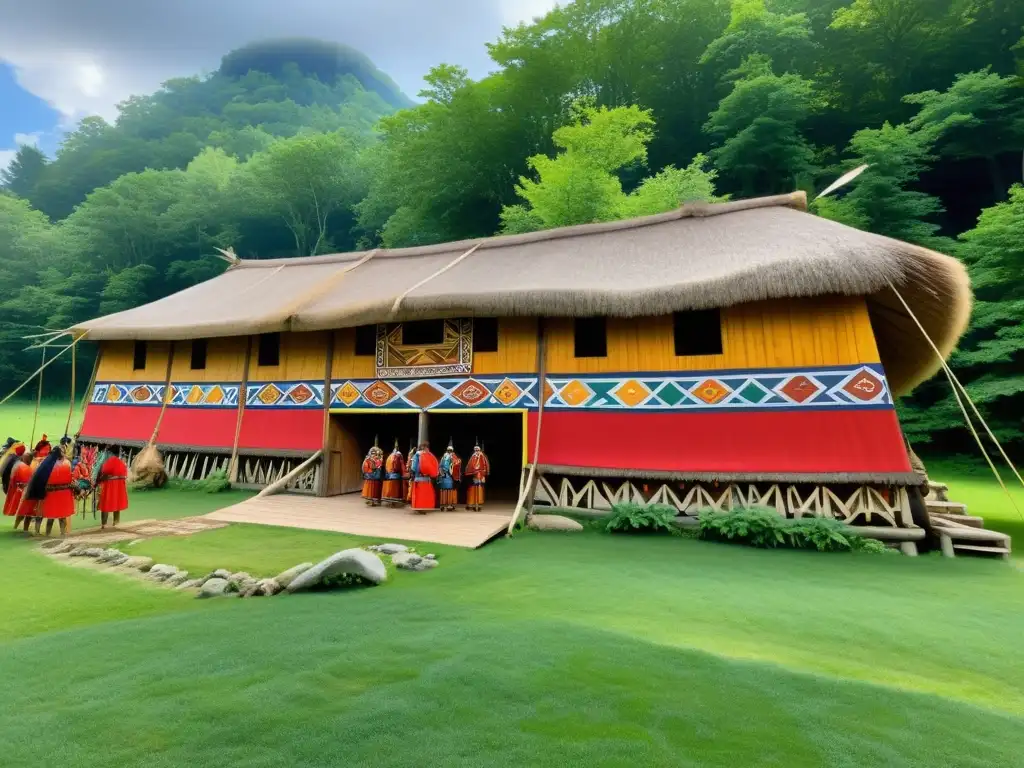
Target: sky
61	60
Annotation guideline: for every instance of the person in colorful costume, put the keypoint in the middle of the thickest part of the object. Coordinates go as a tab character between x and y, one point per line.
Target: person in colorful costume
12	453
477	469
393	493
373	476
14	483
408	472
49	492
112	489
41	451
449	476
424	473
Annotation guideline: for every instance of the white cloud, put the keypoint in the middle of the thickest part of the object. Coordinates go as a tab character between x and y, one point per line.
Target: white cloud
27	139
6	155
85	57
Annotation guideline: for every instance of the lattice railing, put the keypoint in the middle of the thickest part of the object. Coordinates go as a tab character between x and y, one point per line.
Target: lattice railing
865	505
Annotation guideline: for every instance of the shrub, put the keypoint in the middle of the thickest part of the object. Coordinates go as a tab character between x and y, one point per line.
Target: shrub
637	518
766	529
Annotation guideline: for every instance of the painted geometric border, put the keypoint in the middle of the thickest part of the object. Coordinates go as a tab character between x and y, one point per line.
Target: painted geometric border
862	386
460	329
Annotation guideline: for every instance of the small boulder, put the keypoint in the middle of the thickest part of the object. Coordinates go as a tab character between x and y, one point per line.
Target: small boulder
190	584
110	554
267	588
220	573
286	578
214	588
52	544
358	562
553	523
409	561
177	579
87	552
162	572
138	563
431	556
62	548
391	549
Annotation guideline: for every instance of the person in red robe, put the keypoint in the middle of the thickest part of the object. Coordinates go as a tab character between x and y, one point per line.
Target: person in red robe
51	492
424	473
12	454
373	477
41	451
478	467
111	488
18	479
393	493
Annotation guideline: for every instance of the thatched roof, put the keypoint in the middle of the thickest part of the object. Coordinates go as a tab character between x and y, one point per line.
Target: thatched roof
699	256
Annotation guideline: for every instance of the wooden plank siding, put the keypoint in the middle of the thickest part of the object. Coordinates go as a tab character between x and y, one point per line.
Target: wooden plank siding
783	333
828	330
117	358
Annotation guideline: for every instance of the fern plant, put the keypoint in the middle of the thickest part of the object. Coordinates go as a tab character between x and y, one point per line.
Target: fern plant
766	529
637	518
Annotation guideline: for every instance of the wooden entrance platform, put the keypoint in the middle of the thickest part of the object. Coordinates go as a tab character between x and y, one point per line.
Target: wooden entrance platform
349	514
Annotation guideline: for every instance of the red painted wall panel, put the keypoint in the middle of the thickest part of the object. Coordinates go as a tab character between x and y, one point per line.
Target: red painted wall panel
201	427
289	430
802	442
119	422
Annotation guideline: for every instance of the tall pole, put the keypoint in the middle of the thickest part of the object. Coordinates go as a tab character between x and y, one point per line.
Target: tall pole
423	429
39	400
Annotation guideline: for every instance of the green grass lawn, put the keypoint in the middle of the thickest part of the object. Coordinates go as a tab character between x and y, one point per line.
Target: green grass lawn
547	649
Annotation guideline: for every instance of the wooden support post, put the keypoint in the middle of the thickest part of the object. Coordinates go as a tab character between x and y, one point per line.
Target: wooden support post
326	451
243	393
527	494
167	394
278	486
423	431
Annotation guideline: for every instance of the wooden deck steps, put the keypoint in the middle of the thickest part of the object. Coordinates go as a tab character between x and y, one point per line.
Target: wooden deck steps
956	537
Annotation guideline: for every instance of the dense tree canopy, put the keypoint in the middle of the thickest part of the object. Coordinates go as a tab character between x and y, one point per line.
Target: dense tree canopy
601	109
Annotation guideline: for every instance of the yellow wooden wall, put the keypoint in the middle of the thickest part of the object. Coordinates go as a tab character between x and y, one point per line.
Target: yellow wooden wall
225	360
783	333
303	357
517	348
117	357
827	330
346	365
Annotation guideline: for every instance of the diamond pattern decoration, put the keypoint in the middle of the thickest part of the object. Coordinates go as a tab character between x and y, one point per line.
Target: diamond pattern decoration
799	389
347	394
471	392
508	392
301	394
632	393
853	387
379	393
864	386
424	394
711	391
269	394
216	395
576	393
754	393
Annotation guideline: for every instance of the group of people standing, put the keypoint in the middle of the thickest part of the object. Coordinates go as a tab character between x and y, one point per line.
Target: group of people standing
423	481
44	483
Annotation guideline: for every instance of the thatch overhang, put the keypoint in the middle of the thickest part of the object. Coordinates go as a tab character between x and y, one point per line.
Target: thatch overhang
696	257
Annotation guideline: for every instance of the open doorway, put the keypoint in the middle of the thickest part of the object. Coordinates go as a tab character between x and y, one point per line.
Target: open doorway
502	438
351	437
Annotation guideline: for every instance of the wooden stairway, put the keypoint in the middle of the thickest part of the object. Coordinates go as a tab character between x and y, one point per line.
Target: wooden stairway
960	533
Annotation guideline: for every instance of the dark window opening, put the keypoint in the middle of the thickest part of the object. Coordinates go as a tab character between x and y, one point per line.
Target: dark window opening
485	334
270	349
423	333
198	362
698	332
139	356
366	341
591	337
